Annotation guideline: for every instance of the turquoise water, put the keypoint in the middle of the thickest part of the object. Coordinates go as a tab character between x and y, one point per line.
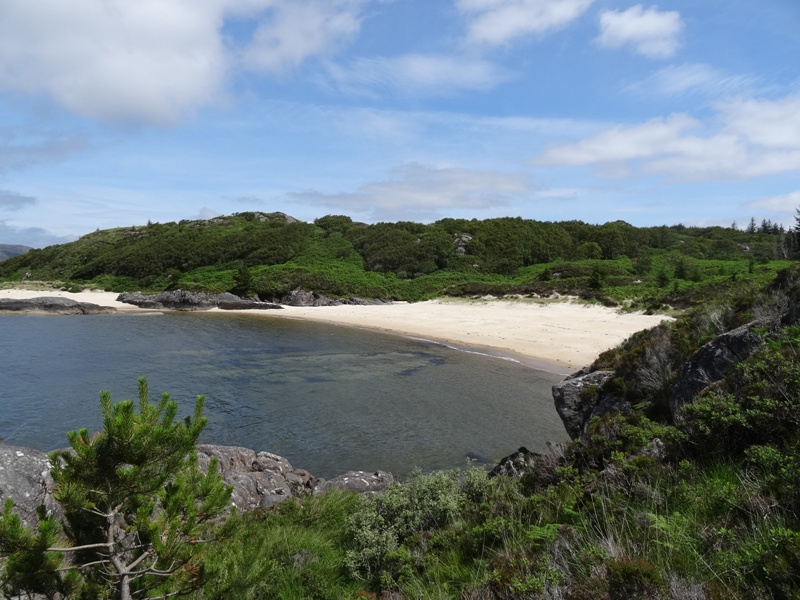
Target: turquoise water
328	398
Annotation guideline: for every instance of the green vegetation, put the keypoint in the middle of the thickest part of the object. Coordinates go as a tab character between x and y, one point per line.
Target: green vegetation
136	509
640	508
702	506
270	255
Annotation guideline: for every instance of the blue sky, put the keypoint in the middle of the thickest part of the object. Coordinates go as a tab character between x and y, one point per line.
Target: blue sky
115	112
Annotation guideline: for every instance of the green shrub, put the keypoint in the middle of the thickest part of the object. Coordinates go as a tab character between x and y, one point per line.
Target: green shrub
630	579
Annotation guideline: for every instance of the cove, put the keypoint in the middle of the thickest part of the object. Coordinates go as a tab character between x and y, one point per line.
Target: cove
328	398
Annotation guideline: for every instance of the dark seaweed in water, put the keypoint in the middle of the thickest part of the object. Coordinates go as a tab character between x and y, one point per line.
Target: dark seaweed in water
328	398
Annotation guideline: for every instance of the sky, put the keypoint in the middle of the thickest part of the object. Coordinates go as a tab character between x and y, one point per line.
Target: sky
114	113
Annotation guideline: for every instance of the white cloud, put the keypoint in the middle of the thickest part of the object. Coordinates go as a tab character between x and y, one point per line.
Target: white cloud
417	74
14	201
424	192
652	33
22	148
155	61
771	124
753	138
301	29
114	59
679	80
622	143
784	203
497	22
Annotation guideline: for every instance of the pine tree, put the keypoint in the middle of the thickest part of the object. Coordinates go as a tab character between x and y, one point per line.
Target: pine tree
135	503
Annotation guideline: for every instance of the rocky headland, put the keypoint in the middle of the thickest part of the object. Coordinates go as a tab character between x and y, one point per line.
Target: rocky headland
591	392
186	300
54	305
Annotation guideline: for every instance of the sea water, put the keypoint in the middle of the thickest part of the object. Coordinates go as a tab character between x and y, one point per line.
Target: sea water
328	398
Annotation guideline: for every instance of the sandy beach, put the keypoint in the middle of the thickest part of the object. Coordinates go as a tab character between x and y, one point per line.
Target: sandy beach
558	336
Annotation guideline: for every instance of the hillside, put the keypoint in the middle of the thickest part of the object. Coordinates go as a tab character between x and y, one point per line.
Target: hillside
270	254
9	250
682	482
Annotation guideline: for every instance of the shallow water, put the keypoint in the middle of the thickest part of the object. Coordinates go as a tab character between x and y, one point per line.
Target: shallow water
328	398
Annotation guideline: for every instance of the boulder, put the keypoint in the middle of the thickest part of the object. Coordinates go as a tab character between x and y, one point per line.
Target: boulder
300	297
515	465
361	482
25	478
575	405
712	362
53	305
259	480
185	300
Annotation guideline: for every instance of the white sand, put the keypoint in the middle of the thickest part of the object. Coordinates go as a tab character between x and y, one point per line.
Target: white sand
558	336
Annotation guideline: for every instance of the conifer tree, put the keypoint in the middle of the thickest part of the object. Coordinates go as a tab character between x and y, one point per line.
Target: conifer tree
135	504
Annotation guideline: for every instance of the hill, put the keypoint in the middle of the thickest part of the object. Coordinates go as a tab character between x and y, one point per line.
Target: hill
271	254
9	250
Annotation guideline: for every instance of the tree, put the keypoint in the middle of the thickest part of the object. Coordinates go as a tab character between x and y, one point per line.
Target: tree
135	503
589	250
243	281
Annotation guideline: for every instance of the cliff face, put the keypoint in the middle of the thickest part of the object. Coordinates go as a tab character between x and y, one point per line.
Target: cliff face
591	393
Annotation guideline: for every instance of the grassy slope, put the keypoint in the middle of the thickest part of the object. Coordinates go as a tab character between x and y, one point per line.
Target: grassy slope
638	509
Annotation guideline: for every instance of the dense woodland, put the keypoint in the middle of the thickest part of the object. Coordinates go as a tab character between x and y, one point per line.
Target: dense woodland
647	504
271	254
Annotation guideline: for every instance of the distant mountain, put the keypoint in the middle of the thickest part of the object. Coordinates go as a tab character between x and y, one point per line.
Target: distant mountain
9	250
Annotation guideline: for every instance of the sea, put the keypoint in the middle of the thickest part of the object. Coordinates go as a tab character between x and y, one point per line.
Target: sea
328	398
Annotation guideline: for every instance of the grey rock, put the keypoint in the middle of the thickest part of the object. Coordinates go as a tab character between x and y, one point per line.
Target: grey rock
711	363
258	479
573	407
515	465
25	478
608	403
186	300
53	305
300	297
361	482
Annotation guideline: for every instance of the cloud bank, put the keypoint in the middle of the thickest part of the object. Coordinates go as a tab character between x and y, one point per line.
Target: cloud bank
498	22
754	138
154	61
425	192
652	33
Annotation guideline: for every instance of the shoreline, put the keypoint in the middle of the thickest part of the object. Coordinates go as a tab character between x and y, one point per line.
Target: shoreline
555	336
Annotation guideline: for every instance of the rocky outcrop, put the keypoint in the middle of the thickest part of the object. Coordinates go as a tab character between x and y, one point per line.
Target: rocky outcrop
53	305
578	399
515	465
259	479
185	300
712	362
25	478
580	396
301	297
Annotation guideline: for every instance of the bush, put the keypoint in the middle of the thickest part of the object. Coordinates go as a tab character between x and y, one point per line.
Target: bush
633	578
